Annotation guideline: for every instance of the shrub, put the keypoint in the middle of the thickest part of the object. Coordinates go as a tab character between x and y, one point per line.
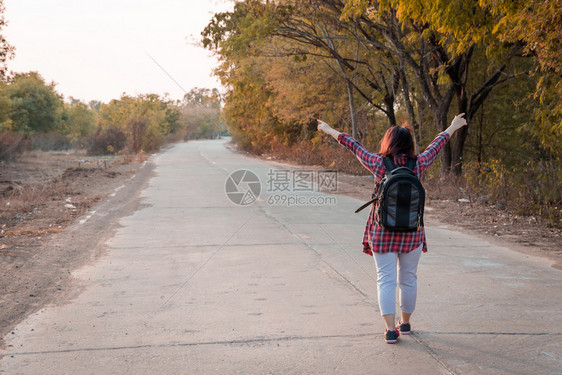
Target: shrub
108	141
138	129
319	151
12	145
532	188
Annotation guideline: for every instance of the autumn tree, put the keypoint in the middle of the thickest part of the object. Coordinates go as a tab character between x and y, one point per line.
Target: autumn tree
6	50
144	119
79	122
315	28
436	42
200	114
245	112
415	59
275	88
5	108
35	105
538	26
386	61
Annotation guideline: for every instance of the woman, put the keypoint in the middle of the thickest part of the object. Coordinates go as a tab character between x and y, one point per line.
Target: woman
395	250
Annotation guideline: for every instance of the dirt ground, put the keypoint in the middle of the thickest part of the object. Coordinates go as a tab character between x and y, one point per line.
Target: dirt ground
40	196
44	193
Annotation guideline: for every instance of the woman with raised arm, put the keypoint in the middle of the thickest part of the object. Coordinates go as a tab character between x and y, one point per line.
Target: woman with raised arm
396	253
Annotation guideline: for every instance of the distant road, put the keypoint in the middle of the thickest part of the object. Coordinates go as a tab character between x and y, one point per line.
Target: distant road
192	283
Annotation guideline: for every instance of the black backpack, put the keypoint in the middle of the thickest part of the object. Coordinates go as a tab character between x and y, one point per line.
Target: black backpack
401	198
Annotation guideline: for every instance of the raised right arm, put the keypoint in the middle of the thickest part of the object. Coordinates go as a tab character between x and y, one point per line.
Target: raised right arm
426	158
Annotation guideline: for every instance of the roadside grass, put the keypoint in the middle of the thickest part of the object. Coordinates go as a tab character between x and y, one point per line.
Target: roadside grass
43	191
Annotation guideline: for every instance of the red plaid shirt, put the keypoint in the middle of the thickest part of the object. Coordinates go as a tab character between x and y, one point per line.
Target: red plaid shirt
376	238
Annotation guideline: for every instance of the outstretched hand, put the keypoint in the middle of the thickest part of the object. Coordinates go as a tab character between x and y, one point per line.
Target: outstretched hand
458	122
324	127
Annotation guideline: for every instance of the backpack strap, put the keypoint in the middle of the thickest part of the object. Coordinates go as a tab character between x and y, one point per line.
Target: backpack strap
365	205
389	164
411	163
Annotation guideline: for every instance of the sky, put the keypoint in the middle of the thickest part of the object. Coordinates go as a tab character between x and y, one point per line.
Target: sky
99	49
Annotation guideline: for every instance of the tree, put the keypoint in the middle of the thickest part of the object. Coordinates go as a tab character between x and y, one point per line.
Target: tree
5	108
36	106
437	41
95	105
405	59
315	28
144	119
200	114
79	123
391	54
245	111
6	50
273	63
538	25
305	88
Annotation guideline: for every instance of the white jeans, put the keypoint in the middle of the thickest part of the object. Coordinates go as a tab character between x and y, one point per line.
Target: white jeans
406	266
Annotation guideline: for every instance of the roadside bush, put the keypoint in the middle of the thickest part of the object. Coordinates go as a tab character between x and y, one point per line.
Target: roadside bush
143	137
12	145
529	189
107	141
137	127
152	141
319	151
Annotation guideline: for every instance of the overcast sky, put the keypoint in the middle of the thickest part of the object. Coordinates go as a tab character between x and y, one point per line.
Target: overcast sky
97	49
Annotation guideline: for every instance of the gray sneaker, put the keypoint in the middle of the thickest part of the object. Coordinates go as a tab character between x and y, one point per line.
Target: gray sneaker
404	328
391	336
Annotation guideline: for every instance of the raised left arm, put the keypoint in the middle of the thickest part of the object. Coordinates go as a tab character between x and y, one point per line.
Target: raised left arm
372	162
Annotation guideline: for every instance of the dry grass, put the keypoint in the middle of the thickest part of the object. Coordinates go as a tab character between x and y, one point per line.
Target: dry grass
140	157
12	145
24	198
44	191
319	152
22	202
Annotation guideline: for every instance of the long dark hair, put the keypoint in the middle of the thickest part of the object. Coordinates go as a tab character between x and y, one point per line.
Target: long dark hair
397	140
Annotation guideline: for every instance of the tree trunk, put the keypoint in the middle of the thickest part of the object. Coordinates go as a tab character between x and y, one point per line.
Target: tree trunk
440	119
409	106
480	140
352	113
461	134
458	148
389	110
446	155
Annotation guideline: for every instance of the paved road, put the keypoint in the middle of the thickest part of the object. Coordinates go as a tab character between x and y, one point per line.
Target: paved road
193	284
